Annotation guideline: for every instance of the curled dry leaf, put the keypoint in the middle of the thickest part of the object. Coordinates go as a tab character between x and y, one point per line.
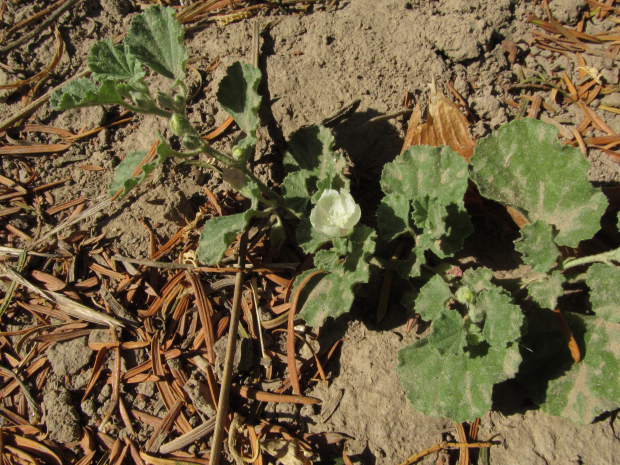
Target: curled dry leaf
445	125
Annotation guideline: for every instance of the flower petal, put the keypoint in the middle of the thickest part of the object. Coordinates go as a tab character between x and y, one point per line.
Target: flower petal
354	218
347	201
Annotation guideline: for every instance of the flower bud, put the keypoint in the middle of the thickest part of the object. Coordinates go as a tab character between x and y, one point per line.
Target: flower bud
180	125
238	153
465	295
335	214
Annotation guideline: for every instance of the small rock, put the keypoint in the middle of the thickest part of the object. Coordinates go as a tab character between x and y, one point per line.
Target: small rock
567	11
199	393
63	422
244	355
612	100
68	358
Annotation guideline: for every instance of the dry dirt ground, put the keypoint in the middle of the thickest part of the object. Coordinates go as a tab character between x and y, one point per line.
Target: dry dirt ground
313	64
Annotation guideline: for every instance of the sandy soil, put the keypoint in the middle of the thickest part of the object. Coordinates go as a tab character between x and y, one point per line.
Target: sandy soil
313	64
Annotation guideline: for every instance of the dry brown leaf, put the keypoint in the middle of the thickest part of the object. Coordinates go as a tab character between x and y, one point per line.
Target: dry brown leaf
445	125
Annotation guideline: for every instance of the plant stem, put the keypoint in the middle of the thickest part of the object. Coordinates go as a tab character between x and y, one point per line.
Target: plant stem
222	405
605	257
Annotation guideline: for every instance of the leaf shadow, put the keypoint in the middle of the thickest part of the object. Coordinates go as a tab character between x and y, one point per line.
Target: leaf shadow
546	357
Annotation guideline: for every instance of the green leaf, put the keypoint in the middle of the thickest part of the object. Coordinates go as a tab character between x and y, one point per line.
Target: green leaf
295	192
393	216
448	335
217	235
331	295
308	238
546	291
524	166
458	386
85	93
310	152
537	246
424	190
452	371
238	96
604	283
503	324
433	298
155	38
577	391
112	62
123	173
478	279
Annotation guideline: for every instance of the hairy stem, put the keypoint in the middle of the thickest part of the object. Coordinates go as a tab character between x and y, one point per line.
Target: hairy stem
605	257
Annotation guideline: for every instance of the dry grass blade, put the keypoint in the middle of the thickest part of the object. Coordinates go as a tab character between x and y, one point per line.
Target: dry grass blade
94	376
41	75
213	134
188	438
205	312
65	206
464	451
31	402
19	233
33	447
116	381
72	308
52	283
445	125
290	345
73	137
33	149
161	432
254	394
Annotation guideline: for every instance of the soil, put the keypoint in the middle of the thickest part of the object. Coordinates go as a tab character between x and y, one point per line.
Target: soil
313	64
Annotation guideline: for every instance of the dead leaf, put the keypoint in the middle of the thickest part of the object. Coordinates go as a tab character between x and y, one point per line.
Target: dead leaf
445	125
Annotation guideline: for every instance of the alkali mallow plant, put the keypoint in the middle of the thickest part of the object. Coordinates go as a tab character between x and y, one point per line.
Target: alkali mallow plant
479	336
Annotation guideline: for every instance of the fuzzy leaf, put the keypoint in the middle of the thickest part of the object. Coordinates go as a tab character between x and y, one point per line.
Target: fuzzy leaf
331	295
85	93
452	372
537	246
577	391
310	152
546	292
503	324
123	177
155	38
524	166
478	279
455	386
604	283
112	62
433	298
295	192
393	216
424	190
217	235
238	96
308	238
412	265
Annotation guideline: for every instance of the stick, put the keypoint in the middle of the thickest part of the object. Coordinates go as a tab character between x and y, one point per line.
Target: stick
222	411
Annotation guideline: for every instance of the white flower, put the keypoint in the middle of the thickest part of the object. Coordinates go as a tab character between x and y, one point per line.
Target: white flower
335	213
